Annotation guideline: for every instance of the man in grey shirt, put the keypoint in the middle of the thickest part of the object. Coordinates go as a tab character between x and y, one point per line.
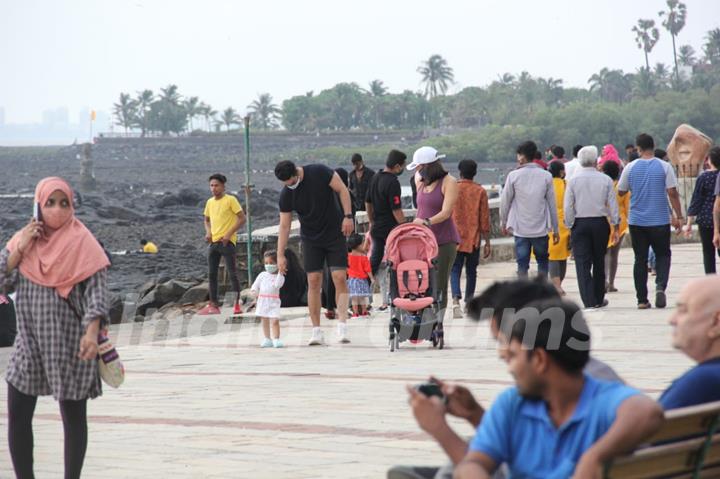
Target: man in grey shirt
589	201
528	210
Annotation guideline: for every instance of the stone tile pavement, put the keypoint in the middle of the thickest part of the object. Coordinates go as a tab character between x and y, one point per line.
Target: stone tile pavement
202	400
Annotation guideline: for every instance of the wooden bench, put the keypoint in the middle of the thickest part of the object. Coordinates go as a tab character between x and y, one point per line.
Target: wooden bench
686	446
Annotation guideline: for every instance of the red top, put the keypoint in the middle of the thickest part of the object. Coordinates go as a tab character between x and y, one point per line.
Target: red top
358	266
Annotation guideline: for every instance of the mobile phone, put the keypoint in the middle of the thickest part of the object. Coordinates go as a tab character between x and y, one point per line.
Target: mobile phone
430	389
37	212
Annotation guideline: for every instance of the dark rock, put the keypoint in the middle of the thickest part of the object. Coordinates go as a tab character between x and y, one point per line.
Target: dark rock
118	213
189	197
170	291
149	301
196	294
146	288
116	309
168	200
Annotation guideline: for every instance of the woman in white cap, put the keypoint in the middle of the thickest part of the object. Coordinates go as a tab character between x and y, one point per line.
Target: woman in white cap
437	193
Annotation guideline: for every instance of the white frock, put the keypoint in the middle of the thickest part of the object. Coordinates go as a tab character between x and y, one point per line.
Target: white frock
268	288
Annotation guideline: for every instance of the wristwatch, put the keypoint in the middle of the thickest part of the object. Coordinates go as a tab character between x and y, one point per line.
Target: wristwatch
348	216
426	222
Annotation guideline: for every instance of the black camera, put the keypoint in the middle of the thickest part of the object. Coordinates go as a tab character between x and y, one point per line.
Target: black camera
430	389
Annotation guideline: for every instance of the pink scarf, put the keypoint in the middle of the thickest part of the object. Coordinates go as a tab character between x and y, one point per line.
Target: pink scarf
64	257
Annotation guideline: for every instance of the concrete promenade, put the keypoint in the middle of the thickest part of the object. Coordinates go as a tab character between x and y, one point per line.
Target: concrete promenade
212	404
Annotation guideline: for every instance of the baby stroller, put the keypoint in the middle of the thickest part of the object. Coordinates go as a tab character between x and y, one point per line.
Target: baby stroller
410	253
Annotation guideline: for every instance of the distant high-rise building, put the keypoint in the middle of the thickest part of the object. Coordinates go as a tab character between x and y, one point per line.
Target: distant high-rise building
56	117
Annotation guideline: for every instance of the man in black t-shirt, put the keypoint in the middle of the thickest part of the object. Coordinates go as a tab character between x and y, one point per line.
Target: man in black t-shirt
311	191
360	179
384	210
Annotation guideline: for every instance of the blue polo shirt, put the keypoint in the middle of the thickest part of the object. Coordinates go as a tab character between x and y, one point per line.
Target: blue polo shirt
520	433
648	180
699	385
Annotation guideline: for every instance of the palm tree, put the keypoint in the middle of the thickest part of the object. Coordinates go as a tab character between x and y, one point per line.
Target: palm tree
686	57
125	111
508	79
436	75
170	94
611	85
712	46
674	22
646	36
230	117
208	113
644	83
192	109
377	89
144	100
662	75
264	112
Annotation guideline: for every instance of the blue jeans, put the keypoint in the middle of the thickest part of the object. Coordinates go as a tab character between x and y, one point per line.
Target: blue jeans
522	253
470	261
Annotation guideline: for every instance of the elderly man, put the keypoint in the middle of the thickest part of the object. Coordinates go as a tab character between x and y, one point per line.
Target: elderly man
589	201
528	210
696	332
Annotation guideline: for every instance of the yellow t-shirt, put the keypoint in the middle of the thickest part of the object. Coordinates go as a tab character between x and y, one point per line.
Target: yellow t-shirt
150	247
223	214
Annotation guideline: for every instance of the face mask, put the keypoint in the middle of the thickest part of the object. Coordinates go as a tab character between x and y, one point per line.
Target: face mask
400	172
297	183
55	218
271	268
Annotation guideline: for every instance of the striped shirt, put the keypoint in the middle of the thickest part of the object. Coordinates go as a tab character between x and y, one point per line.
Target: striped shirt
648	180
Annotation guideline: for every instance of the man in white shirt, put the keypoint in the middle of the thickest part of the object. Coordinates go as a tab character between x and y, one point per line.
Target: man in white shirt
572	165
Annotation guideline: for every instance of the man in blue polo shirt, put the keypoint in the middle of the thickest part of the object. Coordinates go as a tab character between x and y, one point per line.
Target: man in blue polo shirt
651	182
696	332
556	422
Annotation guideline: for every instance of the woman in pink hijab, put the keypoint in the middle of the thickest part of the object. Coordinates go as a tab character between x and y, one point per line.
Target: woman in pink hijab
609	153
59	274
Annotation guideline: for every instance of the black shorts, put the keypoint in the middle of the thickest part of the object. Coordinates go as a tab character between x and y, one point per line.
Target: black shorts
316	255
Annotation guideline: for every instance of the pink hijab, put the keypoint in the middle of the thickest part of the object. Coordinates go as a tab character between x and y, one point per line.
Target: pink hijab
609	153
64	257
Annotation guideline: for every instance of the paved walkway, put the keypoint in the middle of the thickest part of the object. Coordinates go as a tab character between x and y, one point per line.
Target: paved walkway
214	405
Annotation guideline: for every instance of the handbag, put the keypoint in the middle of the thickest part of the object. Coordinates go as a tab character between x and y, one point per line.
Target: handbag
111	369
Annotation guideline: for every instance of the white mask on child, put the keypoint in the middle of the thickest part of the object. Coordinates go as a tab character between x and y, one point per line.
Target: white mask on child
271	268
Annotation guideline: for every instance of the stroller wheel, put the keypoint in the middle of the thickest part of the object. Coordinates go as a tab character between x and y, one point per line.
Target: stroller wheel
434	339
394	342
441	342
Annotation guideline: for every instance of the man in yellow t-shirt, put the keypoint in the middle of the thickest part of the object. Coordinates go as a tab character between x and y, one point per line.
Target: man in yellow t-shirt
223	218
148	246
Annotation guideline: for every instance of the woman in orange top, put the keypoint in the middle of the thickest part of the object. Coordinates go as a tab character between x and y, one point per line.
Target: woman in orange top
612	169
559	252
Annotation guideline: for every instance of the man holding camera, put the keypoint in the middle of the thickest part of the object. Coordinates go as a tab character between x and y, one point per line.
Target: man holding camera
504	296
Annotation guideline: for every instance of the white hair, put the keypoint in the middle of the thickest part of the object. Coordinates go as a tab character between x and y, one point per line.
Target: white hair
588	156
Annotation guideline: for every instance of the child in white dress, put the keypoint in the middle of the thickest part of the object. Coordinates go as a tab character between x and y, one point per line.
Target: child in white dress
267	288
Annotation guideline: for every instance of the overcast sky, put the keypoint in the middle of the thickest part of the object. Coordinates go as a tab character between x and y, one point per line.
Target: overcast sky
83	53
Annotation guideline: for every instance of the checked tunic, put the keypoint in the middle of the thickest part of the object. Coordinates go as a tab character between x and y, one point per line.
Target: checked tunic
45	360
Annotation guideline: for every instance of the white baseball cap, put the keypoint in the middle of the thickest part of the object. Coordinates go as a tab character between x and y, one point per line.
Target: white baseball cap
423	156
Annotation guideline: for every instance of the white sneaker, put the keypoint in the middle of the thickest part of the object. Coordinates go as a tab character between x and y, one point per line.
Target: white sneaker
317	337
267	343
457	312
342	333
277	343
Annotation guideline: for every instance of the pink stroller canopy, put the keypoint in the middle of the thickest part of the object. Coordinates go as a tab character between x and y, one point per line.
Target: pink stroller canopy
409	241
